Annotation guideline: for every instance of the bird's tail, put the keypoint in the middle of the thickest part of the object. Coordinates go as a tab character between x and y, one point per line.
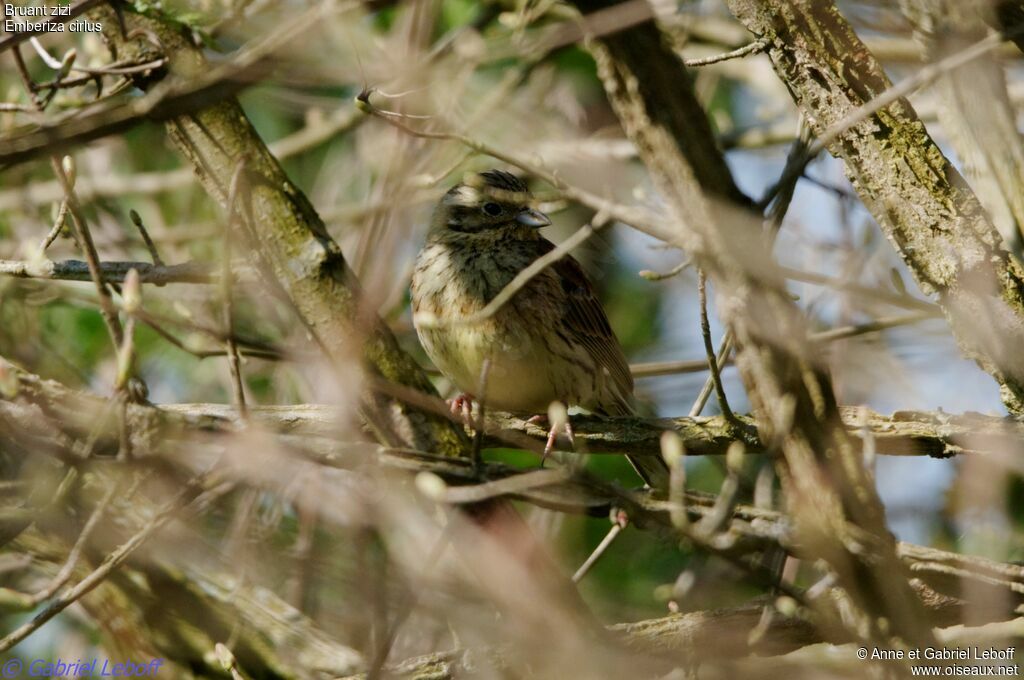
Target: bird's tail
651	468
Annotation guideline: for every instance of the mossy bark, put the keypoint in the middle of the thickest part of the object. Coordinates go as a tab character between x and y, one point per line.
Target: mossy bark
975	110
289	238
923	205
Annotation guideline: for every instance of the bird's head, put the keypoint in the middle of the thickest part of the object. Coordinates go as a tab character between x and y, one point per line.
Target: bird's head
487	203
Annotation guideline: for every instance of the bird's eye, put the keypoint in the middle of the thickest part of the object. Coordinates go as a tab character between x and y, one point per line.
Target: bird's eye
492	209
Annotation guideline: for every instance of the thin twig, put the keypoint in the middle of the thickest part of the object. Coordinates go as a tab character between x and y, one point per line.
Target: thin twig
516	284
478	432
880	324
302	554
659	368
125	371
31	601
256	347
728	495
299	141
620	522
110	70
275	355
114	560
20	108
510	485
58	225
705	330
753	48
651	369
724	350
661	276
228	662
644	220
150	245
889	297
226	292
112	272
673	452
78	223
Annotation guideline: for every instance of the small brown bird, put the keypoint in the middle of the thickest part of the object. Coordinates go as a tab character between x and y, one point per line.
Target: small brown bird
550	342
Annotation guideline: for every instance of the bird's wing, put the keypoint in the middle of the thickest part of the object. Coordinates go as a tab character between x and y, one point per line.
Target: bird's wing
588	325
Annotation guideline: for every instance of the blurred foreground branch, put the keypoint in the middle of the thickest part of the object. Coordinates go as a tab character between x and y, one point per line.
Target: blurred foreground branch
52	418
976	111
709	635
180	610
100	186
829	492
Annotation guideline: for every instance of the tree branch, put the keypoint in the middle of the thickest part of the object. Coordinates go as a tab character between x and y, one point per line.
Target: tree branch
828	490
975	110
653	66
154	428
916	195
32	407
113	272
290	239
714	635
112	186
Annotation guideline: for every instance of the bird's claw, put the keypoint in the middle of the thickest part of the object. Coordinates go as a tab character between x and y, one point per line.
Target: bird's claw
462	407
553	433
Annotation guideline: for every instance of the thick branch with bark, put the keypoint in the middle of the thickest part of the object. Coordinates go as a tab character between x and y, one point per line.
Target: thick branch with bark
709	636
658	69
919	199
51	416
829	491
975	110
155	428
288	237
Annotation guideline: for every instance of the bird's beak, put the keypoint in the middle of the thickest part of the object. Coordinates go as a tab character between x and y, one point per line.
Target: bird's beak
532	218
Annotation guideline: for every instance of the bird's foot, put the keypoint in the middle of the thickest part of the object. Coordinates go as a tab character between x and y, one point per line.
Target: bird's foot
462	407
553	432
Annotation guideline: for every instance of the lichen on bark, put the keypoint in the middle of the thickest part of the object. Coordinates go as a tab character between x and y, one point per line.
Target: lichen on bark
288	237
924	206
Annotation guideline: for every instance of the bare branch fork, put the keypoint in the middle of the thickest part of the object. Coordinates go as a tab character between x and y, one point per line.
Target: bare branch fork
755	47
